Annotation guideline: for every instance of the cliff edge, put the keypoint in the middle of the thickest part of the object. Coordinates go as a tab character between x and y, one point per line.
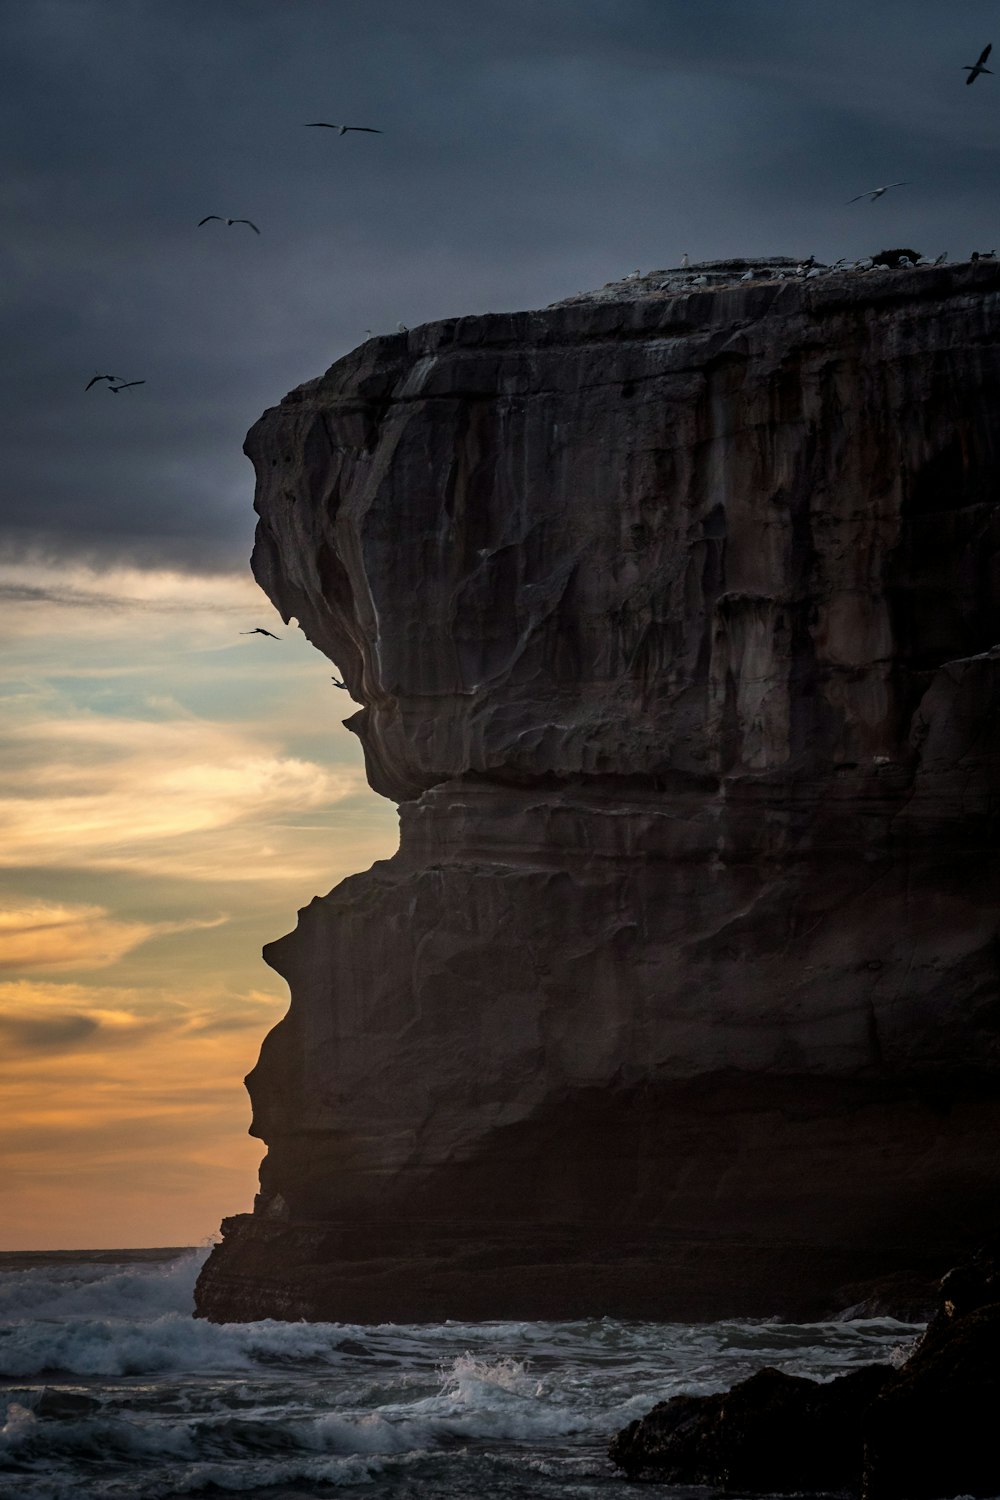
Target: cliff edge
676	626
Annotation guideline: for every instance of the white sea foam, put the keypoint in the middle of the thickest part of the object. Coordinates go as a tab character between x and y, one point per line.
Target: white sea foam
112	1391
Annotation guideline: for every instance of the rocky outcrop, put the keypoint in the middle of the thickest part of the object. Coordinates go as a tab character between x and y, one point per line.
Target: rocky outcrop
675	623
925	1431
773	1433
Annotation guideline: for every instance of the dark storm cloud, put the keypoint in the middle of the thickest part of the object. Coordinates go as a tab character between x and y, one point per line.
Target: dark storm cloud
529	150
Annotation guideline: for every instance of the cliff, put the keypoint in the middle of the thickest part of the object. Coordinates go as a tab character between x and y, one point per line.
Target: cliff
675	621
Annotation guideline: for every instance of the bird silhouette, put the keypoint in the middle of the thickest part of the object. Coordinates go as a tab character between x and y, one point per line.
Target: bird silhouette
259	630
343	129
111	378
209	217
874	193
337	683
125	385
974	69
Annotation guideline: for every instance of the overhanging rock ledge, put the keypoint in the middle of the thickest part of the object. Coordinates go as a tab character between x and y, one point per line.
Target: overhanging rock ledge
675	623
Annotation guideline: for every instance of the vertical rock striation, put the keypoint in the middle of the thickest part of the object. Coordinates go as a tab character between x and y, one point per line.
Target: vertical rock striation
675	624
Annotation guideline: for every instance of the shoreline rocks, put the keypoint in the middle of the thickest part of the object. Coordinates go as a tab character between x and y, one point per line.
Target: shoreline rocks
924	1431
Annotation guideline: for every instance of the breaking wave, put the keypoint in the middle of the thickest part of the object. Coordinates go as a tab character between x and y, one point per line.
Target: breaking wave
110	1390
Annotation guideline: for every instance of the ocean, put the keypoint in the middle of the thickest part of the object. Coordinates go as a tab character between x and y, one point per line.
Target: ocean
109	1388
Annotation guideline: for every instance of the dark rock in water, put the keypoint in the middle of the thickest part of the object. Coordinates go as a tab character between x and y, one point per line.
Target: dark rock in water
674	623
926	1431
773	1433
933	1431
65	1404
909	1296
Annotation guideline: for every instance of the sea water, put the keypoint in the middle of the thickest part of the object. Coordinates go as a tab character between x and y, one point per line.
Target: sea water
109	1388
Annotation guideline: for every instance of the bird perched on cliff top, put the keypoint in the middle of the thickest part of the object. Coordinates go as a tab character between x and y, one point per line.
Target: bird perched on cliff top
209	217
259	630
110	378
342	129
126	385
402	328
974	69
872	193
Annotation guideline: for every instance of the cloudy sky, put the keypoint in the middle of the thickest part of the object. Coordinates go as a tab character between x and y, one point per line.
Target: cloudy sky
171	791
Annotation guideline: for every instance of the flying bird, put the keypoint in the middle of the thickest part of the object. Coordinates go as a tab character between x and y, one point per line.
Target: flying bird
209	217
259	630
974	69
126	385
337	683
111	378
874	193
343	129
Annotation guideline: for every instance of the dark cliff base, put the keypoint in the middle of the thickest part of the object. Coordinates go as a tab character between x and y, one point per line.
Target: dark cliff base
729	1197
429	1273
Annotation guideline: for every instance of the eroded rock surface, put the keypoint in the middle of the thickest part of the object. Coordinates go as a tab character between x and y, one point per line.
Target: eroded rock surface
675	624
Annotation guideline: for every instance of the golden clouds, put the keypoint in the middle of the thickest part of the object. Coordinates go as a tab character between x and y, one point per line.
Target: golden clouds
45	935
157	769
179	796
126	1117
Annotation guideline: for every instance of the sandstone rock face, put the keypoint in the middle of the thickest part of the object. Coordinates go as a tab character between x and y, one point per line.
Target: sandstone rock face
675	623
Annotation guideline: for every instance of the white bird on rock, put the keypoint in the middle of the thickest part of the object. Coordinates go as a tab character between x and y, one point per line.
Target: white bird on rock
873	193
974	69
685	262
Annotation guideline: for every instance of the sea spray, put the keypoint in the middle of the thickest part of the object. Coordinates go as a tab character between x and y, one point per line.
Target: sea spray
110	1390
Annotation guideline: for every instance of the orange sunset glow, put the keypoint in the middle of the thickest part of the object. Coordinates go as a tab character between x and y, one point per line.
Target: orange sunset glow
172	791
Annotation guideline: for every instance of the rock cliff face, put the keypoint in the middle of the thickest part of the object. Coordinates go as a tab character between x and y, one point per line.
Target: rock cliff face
676	624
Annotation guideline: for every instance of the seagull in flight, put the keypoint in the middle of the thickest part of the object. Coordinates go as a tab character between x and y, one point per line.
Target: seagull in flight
126	385
343	129
259	630
110	378
974	69
208	218
874	193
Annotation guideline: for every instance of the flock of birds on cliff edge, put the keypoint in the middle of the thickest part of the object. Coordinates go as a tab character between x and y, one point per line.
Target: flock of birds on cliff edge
713	272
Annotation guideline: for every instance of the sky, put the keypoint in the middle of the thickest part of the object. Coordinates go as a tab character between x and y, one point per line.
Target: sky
171	791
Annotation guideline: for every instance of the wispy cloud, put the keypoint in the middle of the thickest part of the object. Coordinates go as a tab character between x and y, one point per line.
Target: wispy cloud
187	796
49	936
